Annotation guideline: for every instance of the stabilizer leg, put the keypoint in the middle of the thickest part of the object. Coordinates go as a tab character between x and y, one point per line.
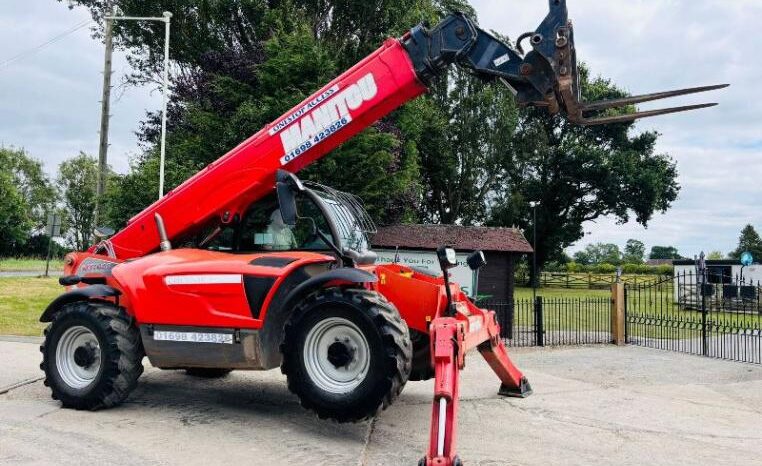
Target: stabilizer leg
514	383
446	339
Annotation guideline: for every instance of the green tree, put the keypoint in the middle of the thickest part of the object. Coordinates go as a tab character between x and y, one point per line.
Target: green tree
32	183
14	219
715	255
462	130
664	252
580	174
239	65
76	181
634	252
599	253
750	241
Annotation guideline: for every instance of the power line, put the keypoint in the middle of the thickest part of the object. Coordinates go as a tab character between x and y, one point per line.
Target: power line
50	41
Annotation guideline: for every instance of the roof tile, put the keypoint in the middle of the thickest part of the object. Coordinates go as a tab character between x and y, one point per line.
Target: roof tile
455	236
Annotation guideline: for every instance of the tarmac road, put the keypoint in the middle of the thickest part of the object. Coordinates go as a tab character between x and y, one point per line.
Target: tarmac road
592	405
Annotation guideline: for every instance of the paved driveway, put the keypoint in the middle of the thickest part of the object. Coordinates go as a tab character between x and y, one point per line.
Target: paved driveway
592	405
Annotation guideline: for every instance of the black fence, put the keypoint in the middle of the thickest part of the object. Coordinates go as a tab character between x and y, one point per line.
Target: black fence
710	314
553	321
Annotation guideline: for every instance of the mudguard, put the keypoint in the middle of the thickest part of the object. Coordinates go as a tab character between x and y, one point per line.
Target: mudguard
78	294
345	274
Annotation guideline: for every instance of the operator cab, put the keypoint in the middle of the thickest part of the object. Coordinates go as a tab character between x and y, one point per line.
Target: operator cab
298	217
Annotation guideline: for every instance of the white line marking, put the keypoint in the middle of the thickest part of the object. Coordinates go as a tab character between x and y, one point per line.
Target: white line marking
441	429
205	279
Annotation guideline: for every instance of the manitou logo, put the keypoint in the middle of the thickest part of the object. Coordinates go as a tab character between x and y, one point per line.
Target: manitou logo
329	114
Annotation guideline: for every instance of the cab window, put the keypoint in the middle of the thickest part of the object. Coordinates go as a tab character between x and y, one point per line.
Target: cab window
263	229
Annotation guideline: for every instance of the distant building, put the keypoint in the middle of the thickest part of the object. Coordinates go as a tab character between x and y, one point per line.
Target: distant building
721	271
418	243
725	280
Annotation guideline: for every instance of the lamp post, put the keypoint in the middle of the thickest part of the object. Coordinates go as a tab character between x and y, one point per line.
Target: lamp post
164	18
533	205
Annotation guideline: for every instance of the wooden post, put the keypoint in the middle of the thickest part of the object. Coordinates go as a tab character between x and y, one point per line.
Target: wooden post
617	314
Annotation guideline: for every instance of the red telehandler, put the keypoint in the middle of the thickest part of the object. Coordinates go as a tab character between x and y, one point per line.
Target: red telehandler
244	266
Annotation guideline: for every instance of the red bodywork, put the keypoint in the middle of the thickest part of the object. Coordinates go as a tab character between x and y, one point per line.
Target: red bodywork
224	190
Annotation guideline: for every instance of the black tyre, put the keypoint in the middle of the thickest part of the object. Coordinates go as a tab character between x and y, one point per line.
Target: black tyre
422	369
208	373
92	355
346	353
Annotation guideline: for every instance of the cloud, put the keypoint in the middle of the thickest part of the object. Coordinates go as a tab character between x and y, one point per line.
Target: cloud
646	46
50	100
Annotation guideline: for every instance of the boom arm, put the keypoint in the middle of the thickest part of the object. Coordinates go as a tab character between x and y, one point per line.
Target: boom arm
399	71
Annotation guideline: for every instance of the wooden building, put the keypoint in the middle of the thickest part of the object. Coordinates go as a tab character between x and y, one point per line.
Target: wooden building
501	246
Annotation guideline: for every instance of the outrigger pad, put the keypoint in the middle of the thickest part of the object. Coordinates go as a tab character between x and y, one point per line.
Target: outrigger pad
522	391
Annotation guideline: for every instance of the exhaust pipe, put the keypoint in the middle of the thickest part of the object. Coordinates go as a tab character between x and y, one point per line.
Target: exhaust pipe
164	243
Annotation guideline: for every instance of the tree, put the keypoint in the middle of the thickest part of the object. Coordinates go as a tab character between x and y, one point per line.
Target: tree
14	221
77	183
715	255
750	241
599	253
240	64
664	252
461	130
32	183
580	174
634	252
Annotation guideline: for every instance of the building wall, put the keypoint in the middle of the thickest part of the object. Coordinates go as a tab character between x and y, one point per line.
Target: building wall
494	277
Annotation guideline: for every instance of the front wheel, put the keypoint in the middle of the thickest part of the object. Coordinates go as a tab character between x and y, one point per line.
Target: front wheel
346	354
92	356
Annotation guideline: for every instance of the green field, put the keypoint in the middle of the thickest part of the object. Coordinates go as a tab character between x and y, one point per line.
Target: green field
22	300
28	265
526	293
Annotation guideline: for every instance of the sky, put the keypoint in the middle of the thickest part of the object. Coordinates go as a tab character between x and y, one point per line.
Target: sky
50	100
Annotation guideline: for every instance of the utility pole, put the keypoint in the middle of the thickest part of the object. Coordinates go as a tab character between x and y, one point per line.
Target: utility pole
105	110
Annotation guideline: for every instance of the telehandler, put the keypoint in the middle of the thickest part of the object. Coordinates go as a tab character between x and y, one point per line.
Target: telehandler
244	266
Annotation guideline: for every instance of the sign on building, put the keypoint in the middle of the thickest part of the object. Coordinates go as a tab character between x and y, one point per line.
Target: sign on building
462	275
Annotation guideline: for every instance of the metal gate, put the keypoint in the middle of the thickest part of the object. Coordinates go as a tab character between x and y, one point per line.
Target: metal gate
701	313
553	321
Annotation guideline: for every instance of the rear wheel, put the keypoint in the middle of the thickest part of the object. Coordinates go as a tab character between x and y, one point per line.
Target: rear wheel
91	356
346	353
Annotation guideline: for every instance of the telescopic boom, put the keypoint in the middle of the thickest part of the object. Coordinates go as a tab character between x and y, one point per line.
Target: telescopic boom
399	71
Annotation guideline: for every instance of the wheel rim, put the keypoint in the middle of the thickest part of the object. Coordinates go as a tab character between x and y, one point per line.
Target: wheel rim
336	355
78	357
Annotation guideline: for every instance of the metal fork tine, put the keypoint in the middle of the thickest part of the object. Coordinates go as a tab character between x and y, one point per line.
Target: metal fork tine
613	103
634	116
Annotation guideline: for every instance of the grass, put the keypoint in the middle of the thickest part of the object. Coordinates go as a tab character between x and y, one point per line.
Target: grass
654	314
526	293
22	300
28	265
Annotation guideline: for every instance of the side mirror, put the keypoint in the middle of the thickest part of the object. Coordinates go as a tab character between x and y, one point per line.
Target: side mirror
447	259
286	203
286	186
476	260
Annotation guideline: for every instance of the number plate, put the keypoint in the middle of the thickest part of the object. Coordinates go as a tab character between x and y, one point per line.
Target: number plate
193	337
